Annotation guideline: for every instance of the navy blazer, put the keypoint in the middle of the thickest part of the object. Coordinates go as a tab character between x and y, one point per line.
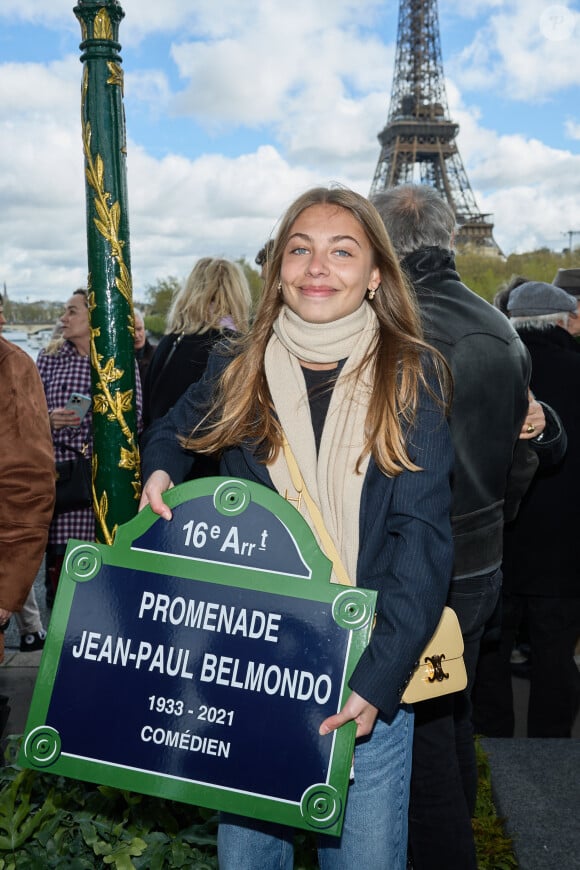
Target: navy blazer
405	550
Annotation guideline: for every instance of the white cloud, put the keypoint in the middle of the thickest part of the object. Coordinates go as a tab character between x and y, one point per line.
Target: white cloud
42	223
37	11
205	19
291	64
473	9
150	87
526	51
553	207
33	90
517	161
145	16
572	128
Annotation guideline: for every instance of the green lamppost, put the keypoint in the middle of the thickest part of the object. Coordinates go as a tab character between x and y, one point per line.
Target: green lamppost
116	474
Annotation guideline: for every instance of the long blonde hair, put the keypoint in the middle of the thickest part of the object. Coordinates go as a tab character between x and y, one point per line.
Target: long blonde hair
243	409
215	291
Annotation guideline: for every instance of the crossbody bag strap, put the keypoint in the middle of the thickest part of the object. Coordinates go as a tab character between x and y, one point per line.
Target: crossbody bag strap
82	452
316	516
172	349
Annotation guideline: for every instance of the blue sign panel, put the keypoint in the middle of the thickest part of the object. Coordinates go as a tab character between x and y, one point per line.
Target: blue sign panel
248	536
195	659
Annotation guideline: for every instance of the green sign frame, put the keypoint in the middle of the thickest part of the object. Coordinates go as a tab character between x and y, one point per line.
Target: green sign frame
195	660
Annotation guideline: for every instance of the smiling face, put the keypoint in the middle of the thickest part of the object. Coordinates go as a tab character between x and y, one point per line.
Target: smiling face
327	265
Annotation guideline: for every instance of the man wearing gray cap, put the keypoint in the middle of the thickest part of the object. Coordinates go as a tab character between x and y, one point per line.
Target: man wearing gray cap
534	299
541	574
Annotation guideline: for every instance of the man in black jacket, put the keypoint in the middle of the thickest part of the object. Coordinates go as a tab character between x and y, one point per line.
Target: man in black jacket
541	577
491	373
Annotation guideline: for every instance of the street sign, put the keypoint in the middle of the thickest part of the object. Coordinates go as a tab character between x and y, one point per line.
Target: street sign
195	660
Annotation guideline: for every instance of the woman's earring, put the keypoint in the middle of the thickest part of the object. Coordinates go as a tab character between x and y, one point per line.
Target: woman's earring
372	291
279	287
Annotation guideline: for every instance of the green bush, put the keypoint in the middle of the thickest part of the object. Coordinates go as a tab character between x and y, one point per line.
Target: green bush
486	275
49	821
155	324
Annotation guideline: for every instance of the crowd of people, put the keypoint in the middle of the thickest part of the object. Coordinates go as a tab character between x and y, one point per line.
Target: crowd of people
437	433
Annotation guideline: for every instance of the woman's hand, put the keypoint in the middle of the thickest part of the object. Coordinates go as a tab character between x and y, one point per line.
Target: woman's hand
357	709
61	417
158	483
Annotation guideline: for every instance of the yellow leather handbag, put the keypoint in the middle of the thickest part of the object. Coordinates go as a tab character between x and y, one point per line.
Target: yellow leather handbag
441	669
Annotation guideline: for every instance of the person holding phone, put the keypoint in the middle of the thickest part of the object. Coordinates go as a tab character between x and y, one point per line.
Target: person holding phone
80	405
336	363
65	371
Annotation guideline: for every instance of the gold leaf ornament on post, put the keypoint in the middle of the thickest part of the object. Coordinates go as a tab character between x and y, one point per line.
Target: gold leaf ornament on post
116	75
103	28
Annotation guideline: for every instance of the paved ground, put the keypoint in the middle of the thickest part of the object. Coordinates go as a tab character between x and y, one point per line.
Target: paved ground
536	789
18	673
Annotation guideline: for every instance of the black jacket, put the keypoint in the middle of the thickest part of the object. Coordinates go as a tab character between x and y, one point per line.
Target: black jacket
491	372
540	547
179	361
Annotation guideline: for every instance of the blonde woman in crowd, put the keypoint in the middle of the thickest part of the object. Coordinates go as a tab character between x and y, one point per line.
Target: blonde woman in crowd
213	303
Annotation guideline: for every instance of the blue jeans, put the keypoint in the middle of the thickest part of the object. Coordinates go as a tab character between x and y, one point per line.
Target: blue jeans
374	834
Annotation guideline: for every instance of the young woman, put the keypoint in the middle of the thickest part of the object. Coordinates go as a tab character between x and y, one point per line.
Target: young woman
66	367
336	363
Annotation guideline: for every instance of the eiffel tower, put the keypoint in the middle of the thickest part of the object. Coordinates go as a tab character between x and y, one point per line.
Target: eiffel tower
418	143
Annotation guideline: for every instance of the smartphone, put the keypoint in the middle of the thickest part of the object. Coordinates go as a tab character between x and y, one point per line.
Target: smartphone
78	403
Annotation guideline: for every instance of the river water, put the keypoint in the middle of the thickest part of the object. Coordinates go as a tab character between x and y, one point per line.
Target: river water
29	343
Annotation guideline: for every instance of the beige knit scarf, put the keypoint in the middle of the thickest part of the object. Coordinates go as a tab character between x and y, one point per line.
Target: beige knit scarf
331	478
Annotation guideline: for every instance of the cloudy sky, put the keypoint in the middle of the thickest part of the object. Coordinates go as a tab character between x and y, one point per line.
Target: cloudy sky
234	107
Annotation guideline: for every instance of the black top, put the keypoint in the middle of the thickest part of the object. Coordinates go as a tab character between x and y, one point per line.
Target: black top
319	385
170	373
